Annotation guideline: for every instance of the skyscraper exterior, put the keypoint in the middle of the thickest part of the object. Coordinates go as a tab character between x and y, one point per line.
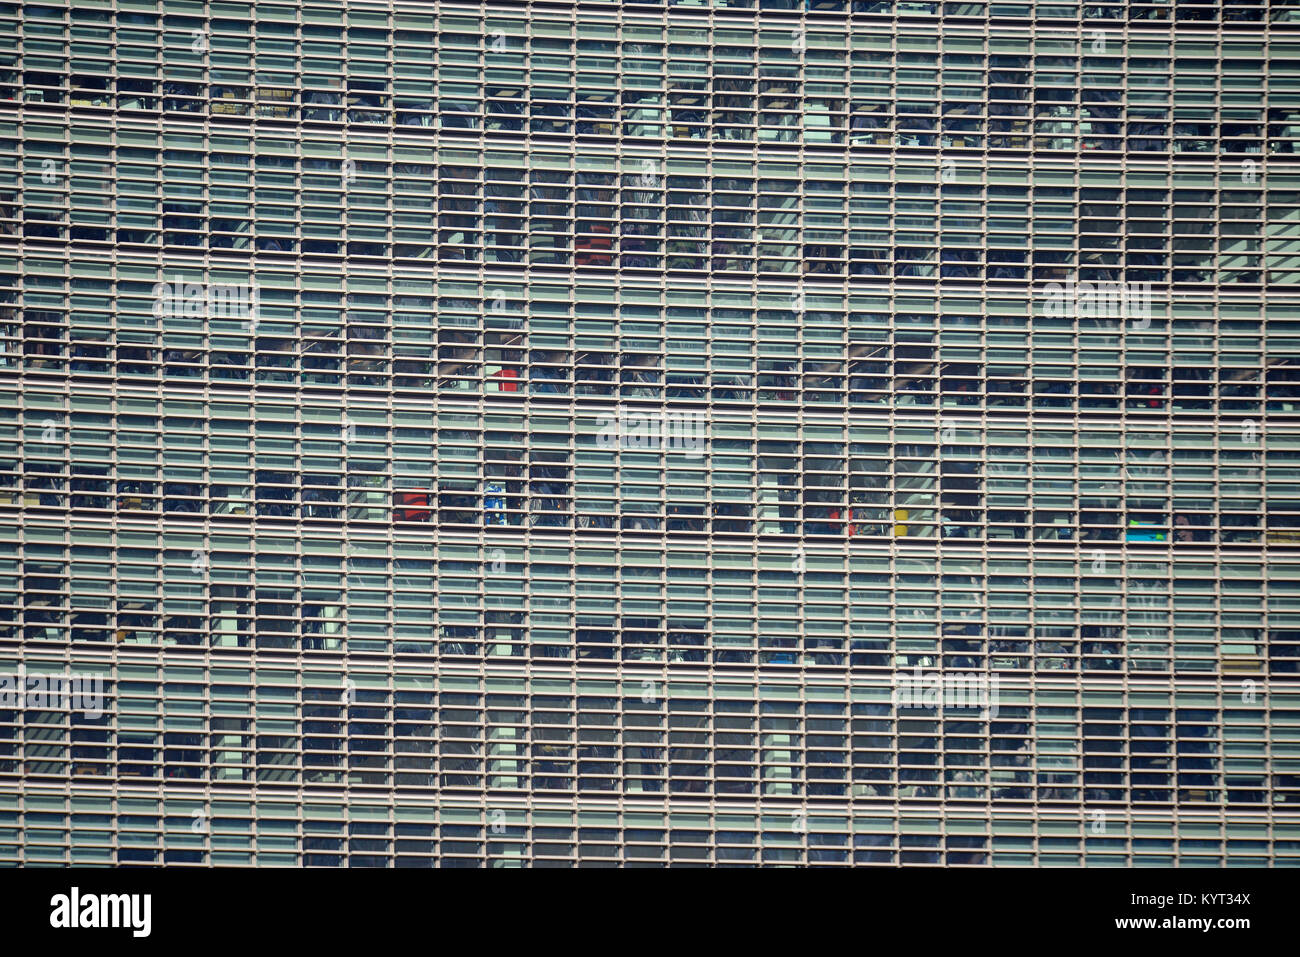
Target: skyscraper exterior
718	432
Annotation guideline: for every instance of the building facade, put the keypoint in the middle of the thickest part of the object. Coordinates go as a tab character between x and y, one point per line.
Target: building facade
722	432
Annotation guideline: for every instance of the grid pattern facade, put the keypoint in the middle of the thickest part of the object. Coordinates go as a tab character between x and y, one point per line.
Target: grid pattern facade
486	434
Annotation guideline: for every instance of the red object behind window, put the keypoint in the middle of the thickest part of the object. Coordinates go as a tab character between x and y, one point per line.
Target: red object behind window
848	514
417	509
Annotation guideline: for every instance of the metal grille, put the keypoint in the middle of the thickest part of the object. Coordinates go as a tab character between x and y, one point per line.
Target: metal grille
811	432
